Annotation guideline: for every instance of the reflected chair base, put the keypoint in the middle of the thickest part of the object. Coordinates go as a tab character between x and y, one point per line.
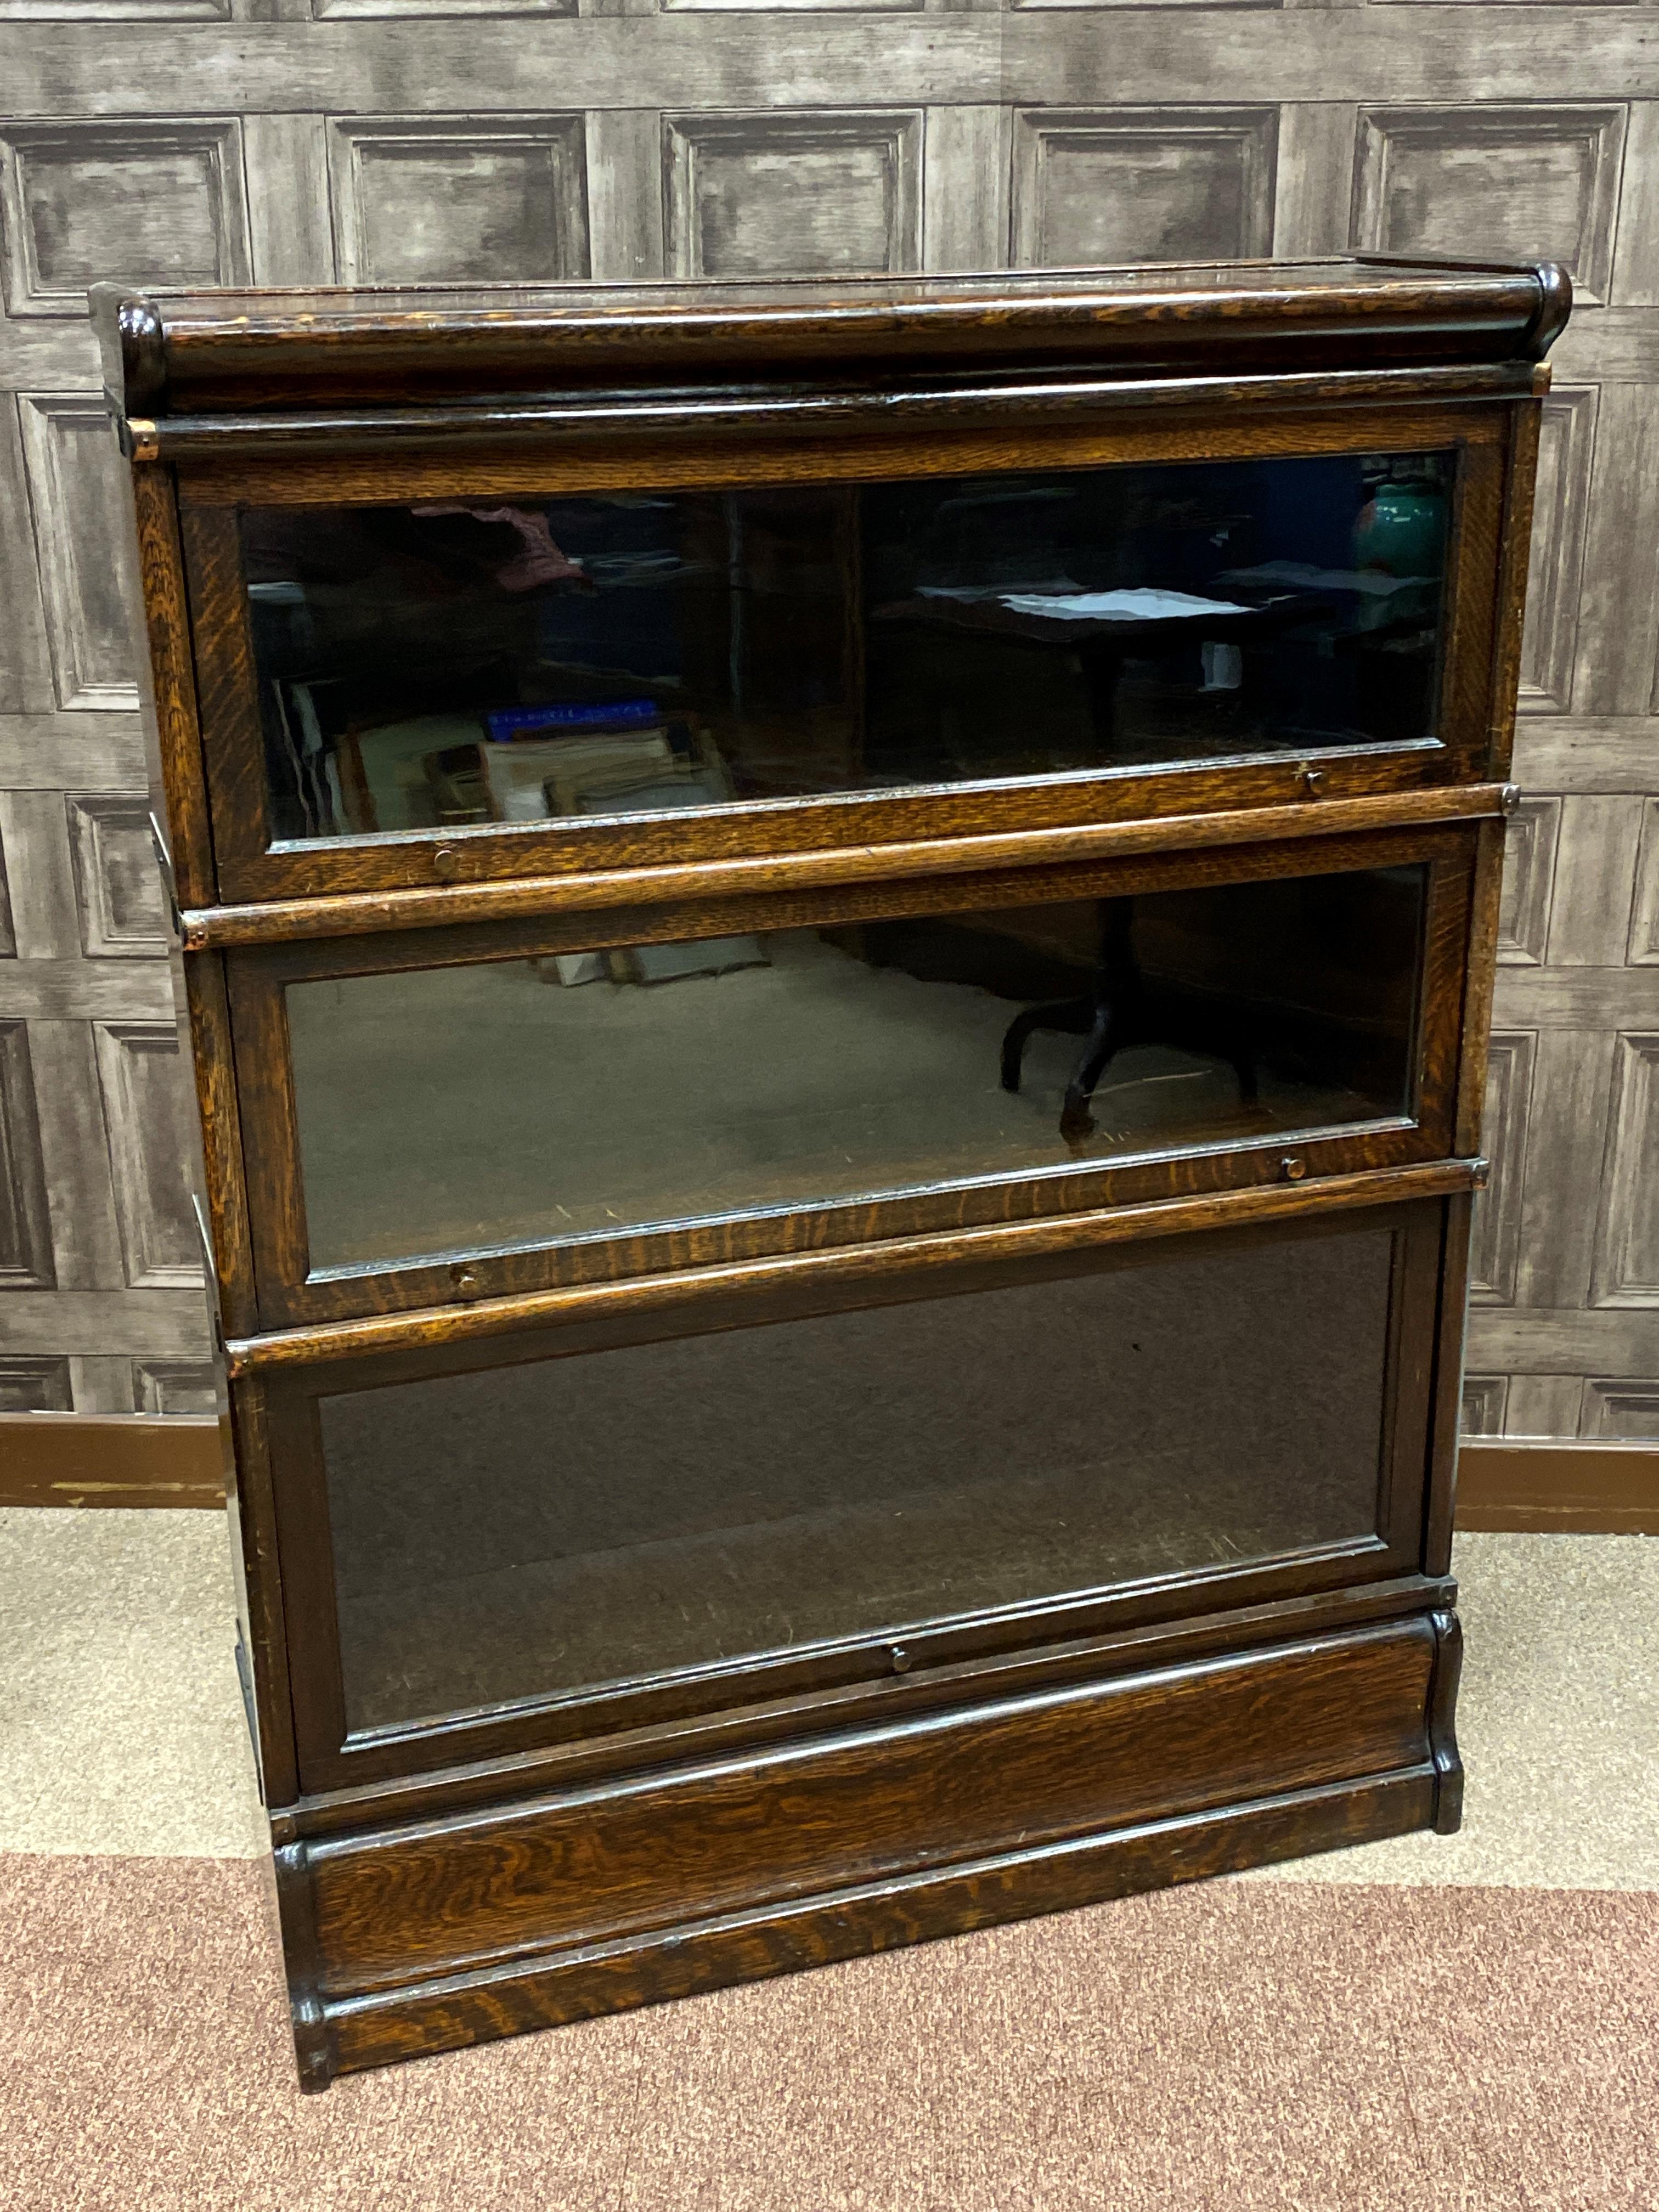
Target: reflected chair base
430	1934
1119	1012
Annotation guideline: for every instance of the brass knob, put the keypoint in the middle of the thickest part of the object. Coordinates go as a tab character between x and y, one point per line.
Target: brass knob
464	1279
445	861
1294	1169
901	1659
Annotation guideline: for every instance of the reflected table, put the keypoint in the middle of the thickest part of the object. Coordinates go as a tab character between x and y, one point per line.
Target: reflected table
1103	643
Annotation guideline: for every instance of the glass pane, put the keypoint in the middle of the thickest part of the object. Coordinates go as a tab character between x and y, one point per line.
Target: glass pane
457	1109
531	1529
627	654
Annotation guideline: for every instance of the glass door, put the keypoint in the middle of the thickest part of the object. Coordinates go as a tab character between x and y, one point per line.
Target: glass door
598	677
489	1111
639	1517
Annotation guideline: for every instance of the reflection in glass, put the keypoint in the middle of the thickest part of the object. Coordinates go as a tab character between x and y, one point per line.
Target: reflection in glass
453	1108
529	1529
460	662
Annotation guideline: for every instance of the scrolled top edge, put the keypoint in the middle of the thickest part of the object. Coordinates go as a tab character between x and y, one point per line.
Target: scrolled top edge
133	339
1554	307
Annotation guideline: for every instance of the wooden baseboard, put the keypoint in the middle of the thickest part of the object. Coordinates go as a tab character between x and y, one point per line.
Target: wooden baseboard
111	1459
144	1459
1540	1487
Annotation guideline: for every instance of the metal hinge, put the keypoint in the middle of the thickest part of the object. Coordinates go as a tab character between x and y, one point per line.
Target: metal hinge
164	862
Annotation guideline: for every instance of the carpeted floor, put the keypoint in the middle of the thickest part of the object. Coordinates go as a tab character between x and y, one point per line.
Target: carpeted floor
1470	2022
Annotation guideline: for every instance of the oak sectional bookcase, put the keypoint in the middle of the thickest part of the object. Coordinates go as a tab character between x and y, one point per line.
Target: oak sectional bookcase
837	941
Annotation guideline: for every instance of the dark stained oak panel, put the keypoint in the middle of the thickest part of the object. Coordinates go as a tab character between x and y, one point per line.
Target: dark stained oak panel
392	1907
551	1989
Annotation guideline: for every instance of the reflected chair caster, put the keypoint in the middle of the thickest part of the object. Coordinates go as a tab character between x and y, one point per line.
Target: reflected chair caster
1120	1011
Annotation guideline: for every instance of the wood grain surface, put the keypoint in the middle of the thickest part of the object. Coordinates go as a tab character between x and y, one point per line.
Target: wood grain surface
1300	1745
880	1916
1031	1237
396	1907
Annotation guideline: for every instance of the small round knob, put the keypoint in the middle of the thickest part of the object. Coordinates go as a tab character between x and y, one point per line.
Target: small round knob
901	1659
1294	1169
445	861
464	1279
1310	779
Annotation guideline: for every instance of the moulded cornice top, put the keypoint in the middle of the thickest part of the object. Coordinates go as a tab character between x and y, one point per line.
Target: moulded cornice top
271	351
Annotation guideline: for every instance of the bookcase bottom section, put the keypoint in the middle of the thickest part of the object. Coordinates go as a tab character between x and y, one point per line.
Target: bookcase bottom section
403	1942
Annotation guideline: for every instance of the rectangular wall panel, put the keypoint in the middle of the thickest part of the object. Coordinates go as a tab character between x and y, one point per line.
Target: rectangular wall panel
81	529
1142	184
1483	1404
149	203
1521	181
1566	448
1495	1246
1524	916
459	199
1627	1233
1617	1407
1615	673
25	1262
148	1112
117	886
774	192
39	1384
173	1386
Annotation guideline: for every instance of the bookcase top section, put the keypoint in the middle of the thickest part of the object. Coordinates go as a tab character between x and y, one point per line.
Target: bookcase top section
275	351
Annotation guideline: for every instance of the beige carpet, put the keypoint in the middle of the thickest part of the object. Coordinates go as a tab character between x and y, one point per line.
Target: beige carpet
1465	2023
814	1077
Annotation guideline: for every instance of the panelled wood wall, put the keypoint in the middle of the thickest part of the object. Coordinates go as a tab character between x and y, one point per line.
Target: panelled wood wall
302	141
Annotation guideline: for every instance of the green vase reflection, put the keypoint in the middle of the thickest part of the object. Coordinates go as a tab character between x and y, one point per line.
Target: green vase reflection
1402	528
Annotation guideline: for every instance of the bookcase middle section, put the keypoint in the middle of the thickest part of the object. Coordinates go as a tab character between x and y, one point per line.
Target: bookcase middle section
443	1114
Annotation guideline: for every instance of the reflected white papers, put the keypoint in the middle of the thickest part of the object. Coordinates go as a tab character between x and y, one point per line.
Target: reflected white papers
1139	603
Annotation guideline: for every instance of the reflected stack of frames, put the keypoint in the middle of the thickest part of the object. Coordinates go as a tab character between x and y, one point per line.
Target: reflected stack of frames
837	941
